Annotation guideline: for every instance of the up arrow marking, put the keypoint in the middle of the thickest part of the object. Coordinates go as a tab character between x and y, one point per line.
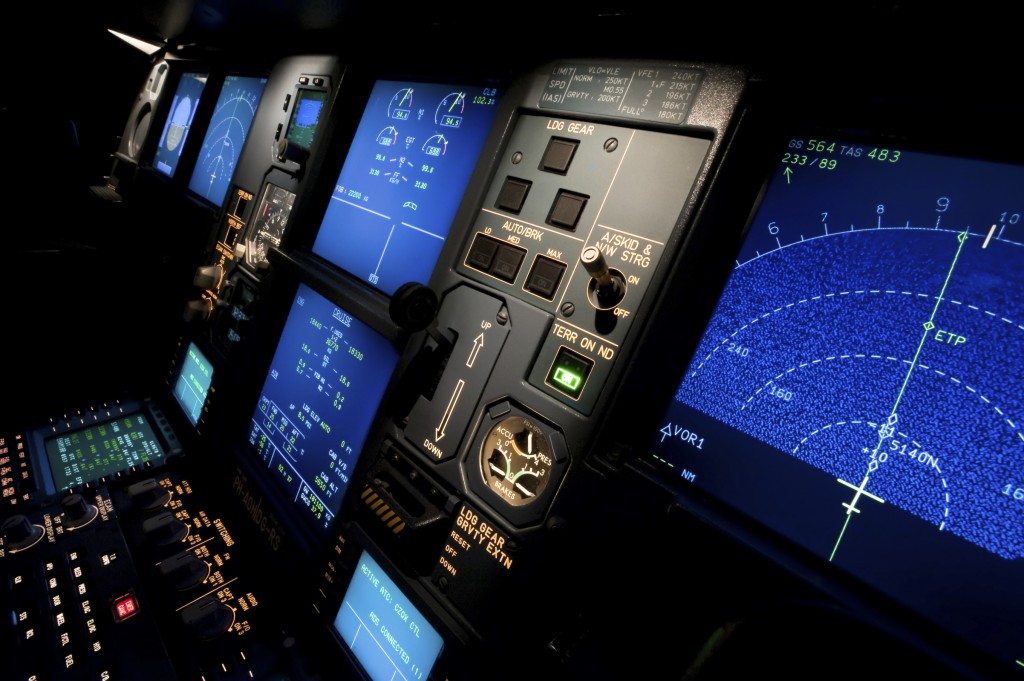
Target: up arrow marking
478	343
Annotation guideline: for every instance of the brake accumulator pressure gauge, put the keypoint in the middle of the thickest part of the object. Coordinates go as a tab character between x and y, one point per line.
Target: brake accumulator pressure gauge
516	460
520	460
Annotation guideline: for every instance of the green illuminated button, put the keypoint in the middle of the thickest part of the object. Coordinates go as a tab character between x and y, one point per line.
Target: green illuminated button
569	372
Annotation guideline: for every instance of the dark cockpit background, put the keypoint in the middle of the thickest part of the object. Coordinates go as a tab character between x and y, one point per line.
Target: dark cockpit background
612	563
67	88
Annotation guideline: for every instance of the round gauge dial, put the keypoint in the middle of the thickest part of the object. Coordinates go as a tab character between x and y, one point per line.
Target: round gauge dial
269	226
449	110
516	460
436	145
388	137
400	104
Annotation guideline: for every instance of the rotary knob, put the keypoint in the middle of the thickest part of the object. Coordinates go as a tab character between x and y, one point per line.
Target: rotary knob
77	511
20	534
208	276
185	570
164	529
148	495
208	618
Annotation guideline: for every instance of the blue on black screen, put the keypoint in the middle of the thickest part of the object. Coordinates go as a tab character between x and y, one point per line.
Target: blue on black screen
860	386
403	180
225	137
318	402
179	121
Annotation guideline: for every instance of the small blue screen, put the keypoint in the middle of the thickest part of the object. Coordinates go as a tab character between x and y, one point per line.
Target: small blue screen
318	402
305	121
387	634
193	385
403	180
179	121
225	137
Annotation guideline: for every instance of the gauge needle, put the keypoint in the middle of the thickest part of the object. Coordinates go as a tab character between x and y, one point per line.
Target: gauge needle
525	491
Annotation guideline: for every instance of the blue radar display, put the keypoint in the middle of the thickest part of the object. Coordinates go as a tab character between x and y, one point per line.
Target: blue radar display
225	137
860	385
403	180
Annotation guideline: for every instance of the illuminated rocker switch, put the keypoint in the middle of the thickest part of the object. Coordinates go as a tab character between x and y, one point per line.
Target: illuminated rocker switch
569	372
513	194
558	155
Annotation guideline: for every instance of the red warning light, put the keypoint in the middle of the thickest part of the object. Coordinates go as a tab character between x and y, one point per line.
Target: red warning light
124	606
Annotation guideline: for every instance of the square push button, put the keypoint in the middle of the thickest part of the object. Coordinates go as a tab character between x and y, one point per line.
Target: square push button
507	262
481	253
569	372
544	277
558	155
566	209
513	194
495	257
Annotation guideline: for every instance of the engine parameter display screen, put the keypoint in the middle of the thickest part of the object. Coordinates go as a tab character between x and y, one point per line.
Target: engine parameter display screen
403	180
860	386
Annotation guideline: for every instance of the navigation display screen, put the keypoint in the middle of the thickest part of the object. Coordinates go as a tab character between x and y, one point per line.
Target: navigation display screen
225	137
318	402
859	388
403	180
102	450
179	121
